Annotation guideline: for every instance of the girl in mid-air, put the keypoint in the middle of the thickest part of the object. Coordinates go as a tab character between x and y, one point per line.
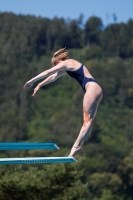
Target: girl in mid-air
93	92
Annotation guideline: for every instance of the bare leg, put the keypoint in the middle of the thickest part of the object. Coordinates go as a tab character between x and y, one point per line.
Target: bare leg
90	105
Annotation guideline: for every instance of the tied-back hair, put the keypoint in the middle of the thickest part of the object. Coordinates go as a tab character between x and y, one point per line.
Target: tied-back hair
61	54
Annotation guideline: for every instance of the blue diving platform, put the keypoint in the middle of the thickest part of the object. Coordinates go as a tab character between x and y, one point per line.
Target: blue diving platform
36	160
28	146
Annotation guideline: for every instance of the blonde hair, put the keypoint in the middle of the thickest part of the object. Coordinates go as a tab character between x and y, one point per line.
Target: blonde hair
59	55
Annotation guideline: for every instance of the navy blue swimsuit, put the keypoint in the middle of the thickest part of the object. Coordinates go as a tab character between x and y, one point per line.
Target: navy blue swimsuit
80	77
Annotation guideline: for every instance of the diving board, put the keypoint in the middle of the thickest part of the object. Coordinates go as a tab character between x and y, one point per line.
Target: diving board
36	160
27	146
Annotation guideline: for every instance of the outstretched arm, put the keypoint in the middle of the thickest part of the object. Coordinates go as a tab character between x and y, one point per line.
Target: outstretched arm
48	80
60	67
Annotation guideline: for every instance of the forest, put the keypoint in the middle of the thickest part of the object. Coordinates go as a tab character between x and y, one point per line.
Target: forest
104	170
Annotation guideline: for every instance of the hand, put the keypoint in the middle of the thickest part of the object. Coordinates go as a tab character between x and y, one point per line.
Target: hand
28	85
35	90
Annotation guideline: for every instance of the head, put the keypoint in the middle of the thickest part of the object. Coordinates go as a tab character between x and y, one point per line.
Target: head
59	56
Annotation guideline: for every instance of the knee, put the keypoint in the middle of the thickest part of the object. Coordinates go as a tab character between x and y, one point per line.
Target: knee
87	122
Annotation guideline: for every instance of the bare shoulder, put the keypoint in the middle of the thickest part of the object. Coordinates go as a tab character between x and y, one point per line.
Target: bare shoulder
72	64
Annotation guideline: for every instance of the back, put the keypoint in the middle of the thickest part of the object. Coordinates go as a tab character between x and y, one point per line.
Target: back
73	65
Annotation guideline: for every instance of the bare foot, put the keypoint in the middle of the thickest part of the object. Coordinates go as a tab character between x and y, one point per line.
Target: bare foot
74	151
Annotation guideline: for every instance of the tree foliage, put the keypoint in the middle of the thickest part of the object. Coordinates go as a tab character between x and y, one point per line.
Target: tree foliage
105	167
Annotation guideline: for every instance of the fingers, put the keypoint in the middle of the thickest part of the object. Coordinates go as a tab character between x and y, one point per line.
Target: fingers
26	86
35	91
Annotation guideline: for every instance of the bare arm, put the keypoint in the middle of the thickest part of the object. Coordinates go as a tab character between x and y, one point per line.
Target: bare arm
48	80
52	78
59	67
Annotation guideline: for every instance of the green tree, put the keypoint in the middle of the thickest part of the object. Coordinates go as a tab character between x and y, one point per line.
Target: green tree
93	28
49	182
